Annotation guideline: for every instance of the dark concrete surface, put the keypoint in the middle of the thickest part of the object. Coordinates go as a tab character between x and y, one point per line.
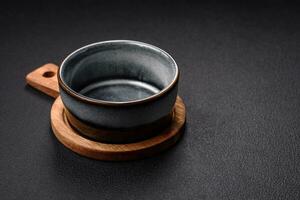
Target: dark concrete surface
240	80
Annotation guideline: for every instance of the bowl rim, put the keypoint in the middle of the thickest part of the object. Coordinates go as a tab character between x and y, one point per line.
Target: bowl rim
87	99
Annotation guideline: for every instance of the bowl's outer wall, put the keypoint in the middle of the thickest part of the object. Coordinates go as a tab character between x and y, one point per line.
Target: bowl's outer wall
121	116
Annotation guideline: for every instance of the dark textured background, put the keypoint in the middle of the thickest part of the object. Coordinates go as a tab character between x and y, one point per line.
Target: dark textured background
240	65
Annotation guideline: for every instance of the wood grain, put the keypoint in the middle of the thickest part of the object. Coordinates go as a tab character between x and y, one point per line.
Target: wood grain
44	79
116	152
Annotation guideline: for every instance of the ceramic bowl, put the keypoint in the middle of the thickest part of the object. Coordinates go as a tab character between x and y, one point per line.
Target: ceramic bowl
119	84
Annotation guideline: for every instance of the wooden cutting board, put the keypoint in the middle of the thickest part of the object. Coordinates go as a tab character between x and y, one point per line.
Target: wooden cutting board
45	80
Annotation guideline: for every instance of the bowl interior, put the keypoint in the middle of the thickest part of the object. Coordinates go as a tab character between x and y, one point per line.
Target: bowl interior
118	71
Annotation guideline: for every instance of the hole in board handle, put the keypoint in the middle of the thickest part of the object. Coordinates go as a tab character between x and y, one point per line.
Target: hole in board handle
48	74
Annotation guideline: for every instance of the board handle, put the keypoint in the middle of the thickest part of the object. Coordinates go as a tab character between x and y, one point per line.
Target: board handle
44	79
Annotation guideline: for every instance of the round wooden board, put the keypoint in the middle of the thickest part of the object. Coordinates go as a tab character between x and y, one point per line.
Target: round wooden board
115	152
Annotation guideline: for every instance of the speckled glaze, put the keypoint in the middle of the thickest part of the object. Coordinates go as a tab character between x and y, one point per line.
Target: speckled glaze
118	84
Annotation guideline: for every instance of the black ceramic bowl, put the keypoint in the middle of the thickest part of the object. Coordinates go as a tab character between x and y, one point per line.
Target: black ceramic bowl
118	84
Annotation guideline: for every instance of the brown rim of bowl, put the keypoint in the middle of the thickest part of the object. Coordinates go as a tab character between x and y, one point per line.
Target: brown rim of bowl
86	99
